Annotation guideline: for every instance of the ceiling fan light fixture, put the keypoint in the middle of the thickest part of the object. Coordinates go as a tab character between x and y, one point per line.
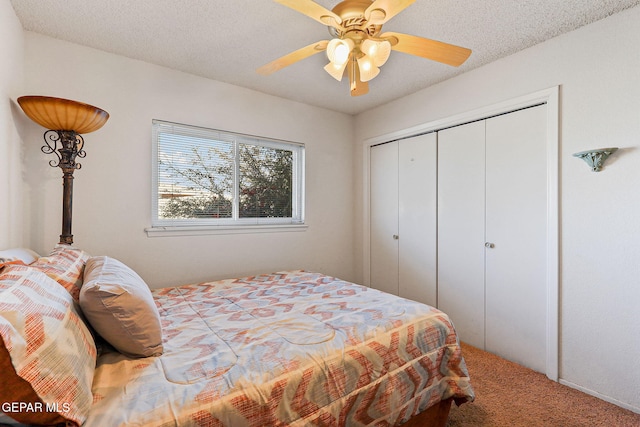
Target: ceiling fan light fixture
338	50
378	50
336	70
368	69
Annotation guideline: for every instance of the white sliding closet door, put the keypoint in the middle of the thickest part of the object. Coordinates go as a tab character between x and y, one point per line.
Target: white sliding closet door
417	218
492	242
516	224
461	223
403	214
384	217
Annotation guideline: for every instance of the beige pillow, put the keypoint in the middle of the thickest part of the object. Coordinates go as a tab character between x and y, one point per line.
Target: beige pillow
119	306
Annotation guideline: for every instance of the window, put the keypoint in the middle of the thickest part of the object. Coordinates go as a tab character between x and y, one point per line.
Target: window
205	177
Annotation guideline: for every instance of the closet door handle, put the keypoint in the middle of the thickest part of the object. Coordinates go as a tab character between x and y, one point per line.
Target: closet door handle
396	237
489	245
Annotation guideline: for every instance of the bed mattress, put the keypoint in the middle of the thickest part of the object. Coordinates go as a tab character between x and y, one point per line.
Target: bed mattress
291	348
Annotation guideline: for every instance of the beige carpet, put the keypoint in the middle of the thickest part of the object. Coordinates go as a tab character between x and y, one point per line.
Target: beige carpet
510	395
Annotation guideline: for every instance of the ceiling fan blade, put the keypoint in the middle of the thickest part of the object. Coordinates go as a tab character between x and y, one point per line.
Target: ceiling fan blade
430	49
357	87
313	10
381	11
293	57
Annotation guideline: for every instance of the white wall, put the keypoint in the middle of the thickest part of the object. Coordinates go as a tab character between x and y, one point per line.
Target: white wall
11	50
112	191
597	68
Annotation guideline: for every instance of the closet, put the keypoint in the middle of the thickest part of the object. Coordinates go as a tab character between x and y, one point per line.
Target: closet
477	229
403	218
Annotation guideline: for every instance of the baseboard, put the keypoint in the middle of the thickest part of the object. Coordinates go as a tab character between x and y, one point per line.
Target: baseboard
601	396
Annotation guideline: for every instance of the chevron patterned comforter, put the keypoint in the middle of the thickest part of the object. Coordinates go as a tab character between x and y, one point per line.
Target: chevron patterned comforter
292	348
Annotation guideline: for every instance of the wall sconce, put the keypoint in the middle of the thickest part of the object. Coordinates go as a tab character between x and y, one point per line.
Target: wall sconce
66	120
596	158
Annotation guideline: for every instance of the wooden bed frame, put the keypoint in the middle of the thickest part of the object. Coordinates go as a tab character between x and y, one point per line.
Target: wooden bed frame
435	416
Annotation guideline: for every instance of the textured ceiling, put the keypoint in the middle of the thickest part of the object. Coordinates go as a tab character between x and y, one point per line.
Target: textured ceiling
227	40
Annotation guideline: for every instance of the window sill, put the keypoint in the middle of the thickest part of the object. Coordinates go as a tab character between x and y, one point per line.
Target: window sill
205	230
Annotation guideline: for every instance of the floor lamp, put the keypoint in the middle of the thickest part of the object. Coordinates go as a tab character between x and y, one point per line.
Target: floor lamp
65	121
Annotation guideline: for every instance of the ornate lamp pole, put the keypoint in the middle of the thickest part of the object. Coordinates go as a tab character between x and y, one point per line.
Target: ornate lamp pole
66	120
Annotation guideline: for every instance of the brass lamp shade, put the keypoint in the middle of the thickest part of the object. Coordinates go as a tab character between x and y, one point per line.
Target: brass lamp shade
63	114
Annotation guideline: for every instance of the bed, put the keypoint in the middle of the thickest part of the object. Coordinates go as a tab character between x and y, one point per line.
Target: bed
292	348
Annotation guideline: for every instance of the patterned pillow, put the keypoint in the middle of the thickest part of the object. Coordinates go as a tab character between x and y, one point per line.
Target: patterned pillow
47	354
65	265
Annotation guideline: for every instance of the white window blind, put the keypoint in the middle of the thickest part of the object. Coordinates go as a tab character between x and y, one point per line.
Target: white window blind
209	177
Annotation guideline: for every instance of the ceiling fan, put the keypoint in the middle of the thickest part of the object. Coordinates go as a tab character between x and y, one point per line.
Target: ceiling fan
358	45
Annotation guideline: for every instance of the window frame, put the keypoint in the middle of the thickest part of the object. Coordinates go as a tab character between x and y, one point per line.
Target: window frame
199	226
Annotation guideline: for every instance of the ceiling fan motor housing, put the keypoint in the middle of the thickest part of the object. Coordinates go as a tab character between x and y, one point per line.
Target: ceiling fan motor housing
353	20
